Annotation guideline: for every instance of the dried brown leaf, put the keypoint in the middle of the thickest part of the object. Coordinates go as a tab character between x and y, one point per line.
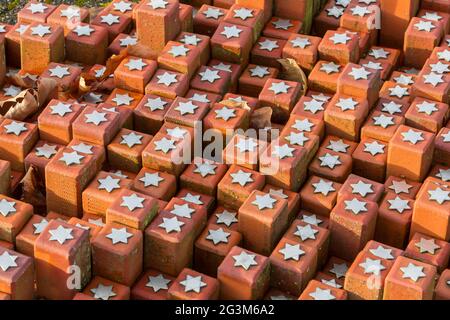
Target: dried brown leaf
260	118
21	106
33	189
291	71
236	104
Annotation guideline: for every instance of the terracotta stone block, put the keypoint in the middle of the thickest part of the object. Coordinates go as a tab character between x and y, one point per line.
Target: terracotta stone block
168	84
148	116
352	225
336	268
281	28
234	68
169	243
293	265
370	158
68	17
55	121
267	51
98	127
400	94
402	187
226	121
96	151
212	246
392	107
87	44
427	115
67	175
57	249
339	145
157	184
5	176
41	44
208	18
339	47
409	280
223	218
442	290
186	14
324	76
428	250
199	200
284	165
103	289
431	214
192	285
180	57
186	112
152	285
117	253
345	116
134	210
381	126
200	42
170	149
93	229
319	195
134	73
232	43
16	275
101	193
265	5
420	39
194	211
164	21
203	96
331	165
281	96
125	150
14	216
121	42
442	147
203	176
35	12
237	185
303	49
12	44
243	275
410	153
124	7
365	277
40	156
316	290
249	17
360	82
66	76
394	220
311	236
114	23
253	79
16	141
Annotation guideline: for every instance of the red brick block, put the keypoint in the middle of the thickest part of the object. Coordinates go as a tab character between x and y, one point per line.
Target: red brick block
16	275
352	225
243	275
117	253
394	220
410	153
57	249
192	285
409	280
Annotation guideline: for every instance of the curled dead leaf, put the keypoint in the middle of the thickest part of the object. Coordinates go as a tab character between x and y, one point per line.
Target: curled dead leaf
21	80
260	118
33	189
29	101
236	104
291	71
